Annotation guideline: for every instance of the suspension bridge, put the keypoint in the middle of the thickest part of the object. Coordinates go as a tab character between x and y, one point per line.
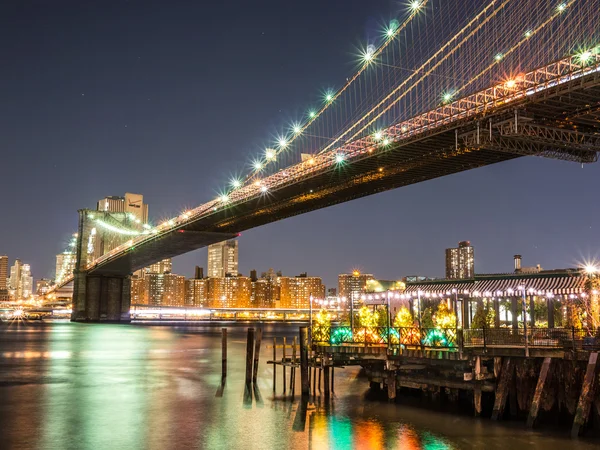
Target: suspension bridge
438	93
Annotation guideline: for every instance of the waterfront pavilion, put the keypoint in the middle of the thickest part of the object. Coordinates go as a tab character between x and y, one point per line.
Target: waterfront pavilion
551	298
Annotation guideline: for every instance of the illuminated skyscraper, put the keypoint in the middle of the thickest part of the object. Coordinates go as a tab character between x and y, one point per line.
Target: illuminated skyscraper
295	292
4	278
164	266
65	265
353	285
42	286
21	281
3	273
223	259
460	262
139	294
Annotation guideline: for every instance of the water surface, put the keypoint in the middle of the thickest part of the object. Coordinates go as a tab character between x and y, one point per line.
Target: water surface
78	386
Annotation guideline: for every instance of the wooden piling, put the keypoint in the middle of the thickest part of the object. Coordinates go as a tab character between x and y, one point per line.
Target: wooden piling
304	372
586	397
283	365
506	375
223	353
477	400
319	380
249	356
332	382
314	381
293	368
257	344
391	385
537	395
326	384
274	365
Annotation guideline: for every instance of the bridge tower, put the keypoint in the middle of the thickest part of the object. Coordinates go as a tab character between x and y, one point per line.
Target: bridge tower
98	296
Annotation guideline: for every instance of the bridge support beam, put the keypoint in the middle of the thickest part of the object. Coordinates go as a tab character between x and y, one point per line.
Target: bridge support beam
101	298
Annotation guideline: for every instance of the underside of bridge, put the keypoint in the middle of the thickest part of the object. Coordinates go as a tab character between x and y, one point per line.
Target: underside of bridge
560	122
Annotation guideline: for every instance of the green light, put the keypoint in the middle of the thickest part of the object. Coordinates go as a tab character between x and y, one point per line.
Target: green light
328	96
236	183
378	135
312	114
447	97
560	8
339	158
528	33
415	5
499	57
283	143
224	198
257	165
584	57
296	128
386	141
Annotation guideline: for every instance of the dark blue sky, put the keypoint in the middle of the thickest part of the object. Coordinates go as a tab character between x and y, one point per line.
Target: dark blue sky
168	99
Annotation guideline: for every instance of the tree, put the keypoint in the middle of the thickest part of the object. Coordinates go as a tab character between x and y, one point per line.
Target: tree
484	316
444	317
366	317
404	318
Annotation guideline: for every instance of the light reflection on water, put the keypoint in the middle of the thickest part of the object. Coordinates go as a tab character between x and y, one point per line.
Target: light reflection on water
66	386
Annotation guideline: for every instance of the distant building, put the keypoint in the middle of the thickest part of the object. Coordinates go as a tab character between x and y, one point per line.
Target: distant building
229	292
223	259
295	292
352	286
139	293
164	266
460	262
196	292
332	292
3	273
165	289
130	203
265	293
20	282
43	286
65	265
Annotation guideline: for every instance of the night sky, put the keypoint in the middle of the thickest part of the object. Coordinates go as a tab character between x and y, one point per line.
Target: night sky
169	98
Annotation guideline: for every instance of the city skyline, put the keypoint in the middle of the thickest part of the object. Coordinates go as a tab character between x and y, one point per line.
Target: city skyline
554	230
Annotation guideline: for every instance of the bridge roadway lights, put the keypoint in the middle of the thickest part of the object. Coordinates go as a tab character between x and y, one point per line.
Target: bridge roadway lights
101	298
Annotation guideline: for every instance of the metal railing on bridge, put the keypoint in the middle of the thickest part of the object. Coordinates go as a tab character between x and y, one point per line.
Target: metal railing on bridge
456	339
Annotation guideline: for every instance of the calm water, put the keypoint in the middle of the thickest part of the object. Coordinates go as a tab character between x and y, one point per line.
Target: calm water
72	386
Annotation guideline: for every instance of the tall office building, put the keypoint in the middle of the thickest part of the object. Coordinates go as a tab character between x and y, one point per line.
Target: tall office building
65	265
130	203
165	289
3	273
223	259
229	292
4	279
353	285
295	292
21	281
139	294
460	261
164	266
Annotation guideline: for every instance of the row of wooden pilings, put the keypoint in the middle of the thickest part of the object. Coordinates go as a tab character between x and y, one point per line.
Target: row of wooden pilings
298	358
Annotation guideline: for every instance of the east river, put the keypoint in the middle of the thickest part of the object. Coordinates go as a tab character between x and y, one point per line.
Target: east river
76	386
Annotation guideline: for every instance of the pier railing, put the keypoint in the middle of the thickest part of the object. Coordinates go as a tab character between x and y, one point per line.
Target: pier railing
455	339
